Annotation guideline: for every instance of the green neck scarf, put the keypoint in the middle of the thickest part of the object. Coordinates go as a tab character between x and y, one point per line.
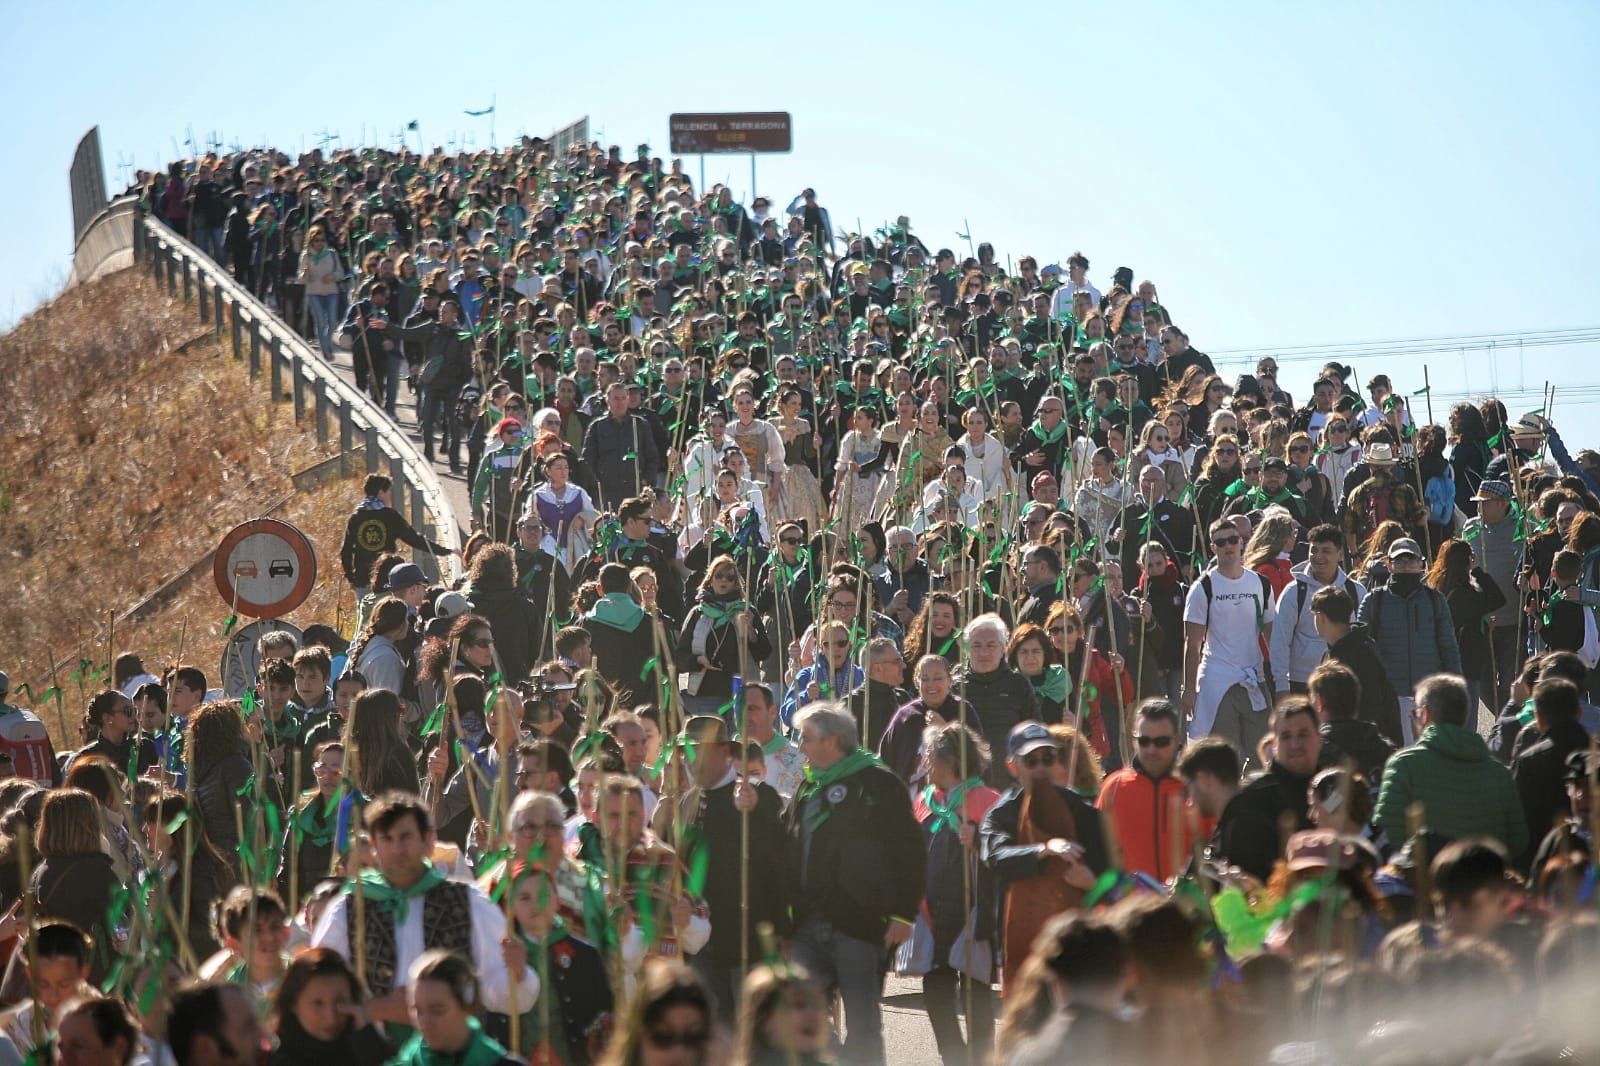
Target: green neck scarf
481	1050
309	827
1048	437
721	614
1053	685
376	890
775	745
947	815
815	782
617	610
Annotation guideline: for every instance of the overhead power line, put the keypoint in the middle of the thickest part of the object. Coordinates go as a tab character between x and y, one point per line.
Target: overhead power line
1479	342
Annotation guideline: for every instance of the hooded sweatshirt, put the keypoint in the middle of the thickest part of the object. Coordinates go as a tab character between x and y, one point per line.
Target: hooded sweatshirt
1297	648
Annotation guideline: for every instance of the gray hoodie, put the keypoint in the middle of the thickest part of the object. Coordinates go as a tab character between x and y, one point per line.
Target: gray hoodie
1296	647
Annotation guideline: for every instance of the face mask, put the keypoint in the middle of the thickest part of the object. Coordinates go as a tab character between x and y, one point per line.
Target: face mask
1405	584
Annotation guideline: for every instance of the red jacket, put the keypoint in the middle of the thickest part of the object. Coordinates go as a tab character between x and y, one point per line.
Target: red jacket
1276	571
1150	820
1109	687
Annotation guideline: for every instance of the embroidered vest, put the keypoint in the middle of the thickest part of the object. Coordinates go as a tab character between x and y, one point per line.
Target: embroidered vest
446	923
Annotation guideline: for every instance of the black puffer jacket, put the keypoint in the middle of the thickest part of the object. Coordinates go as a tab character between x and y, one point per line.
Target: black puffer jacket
1000	699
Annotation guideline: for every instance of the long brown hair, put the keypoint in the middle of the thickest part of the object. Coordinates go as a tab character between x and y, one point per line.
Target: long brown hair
1452	567
920	632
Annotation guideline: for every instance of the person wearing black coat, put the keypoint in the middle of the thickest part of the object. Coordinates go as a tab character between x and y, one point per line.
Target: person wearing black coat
516	623
854	870
712	817
365	332
363	1046
875	701
1351	646
1540	769
620	450
443	360
995	690
77	888
1249	826
622	637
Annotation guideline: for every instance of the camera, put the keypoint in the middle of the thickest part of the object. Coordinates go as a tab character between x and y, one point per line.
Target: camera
537	708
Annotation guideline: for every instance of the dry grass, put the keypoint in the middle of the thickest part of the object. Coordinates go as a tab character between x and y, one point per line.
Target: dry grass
134	442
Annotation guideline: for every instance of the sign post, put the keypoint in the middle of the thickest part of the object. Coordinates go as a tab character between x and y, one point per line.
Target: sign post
741	131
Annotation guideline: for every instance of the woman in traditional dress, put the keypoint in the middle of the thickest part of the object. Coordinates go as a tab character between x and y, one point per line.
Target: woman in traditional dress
801	497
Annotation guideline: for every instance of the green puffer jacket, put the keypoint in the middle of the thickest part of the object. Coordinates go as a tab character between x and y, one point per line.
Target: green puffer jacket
1463	790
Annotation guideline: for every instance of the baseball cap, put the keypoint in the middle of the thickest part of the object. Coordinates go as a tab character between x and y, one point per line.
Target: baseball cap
1405	546
1493	489
451	605
1028	736
1274	462
406	575
1320	849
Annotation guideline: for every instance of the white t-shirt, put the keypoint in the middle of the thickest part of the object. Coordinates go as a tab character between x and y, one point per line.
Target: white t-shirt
1239	608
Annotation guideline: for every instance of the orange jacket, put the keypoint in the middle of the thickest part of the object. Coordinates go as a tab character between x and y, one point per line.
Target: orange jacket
1150	821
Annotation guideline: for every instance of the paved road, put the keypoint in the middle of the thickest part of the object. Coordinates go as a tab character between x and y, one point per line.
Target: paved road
455	485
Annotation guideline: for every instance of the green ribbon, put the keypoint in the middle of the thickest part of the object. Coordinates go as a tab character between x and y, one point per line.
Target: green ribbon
721	614
815	782
947	815
377	890
1047	438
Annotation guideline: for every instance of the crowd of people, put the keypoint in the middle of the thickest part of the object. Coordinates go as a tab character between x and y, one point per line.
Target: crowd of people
834	607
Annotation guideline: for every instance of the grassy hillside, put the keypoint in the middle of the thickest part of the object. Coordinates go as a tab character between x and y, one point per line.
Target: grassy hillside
134	441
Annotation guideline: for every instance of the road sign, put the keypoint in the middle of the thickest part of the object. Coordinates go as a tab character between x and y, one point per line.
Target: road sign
744	131
265	568
240	663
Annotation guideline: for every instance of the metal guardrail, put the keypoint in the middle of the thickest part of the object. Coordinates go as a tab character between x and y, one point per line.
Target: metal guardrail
106	242
317	390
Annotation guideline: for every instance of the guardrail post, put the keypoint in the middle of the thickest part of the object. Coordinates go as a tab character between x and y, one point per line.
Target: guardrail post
216	291
255	349
238	327
347	431
138	234
171	271
402	488
275	359
374	453
429	562
319	395
202	283
298	372
188	281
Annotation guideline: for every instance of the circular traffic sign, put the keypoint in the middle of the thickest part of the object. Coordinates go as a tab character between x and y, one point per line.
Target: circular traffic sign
265	568
241	663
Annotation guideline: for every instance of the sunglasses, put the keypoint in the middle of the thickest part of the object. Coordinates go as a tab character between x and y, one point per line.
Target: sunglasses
1043	757
1153	742
665	1039
1223	542
1227	451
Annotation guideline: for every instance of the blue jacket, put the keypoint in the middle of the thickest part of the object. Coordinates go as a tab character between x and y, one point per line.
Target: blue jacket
837	685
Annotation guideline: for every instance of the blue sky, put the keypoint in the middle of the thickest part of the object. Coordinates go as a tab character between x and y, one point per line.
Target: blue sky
1287	174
